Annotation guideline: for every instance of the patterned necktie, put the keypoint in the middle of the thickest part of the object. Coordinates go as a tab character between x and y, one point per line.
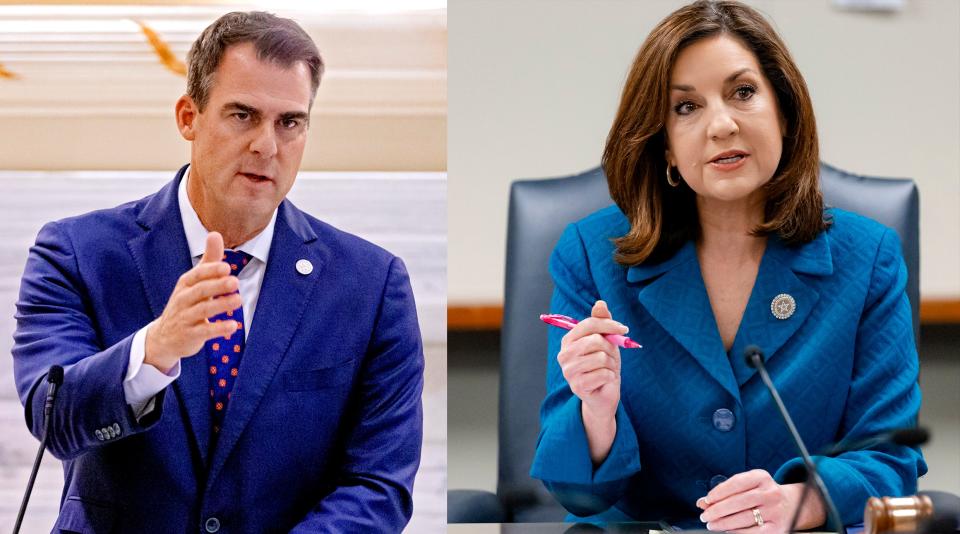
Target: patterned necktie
223	353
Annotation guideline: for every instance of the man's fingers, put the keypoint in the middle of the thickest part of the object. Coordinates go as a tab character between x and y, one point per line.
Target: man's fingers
222	329
214	250
206	309
211	330
206	289
600	310
203	271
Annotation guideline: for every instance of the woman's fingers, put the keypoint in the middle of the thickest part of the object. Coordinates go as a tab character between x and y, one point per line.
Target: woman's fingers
590	362
733	505
590	326
730	506
600	310
588	345
738	483
739	521
586	383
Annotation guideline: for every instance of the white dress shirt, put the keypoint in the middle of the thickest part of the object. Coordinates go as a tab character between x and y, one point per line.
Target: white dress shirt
143	381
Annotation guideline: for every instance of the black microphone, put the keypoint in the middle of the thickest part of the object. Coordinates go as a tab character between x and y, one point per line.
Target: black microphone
754	358
910	437
54	379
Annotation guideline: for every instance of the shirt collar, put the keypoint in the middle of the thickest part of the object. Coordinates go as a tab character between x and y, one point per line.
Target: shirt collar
258	246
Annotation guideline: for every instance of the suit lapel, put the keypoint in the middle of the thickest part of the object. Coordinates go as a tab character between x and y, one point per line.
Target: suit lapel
675	296
280	306
677	299
162	255
778	276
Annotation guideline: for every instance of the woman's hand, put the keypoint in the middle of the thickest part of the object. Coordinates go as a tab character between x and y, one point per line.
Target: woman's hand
591	365
730	505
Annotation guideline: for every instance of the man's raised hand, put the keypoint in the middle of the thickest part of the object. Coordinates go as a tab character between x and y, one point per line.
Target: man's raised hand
202	292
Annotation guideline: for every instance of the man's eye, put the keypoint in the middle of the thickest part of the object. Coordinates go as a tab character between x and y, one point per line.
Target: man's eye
290	124
744	92
241	116
684	108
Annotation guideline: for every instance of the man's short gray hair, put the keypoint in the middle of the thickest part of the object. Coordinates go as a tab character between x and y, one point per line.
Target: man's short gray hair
275	39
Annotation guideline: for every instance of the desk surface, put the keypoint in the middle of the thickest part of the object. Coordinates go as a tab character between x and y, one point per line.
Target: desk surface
559	528
547	528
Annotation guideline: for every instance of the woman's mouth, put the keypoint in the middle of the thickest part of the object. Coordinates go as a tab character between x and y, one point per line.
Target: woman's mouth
729	163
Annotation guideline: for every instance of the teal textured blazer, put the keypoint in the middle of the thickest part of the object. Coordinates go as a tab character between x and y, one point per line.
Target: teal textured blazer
691	414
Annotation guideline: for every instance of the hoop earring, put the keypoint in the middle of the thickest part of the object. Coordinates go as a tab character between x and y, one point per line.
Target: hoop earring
670	180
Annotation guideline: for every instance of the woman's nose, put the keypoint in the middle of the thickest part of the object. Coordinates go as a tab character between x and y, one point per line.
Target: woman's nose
722	124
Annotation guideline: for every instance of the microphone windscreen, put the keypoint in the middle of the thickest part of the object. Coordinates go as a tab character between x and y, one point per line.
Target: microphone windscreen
55	376
911	437
749	353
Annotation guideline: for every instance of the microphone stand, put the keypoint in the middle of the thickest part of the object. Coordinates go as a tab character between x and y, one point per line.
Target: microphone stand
54	379
755	359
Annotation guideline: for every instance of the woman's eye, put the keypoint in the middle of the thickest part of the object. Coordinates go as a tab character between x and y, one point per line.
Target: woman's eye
684	108
744	92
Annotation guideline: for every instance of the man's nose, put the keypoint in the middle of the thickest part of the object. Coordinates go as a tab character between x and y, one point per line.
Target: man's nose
722	123
264	142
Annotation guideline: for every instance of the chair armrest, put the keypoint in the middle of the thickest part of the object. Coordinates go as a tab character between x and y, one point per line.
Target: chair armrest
474	506
946	511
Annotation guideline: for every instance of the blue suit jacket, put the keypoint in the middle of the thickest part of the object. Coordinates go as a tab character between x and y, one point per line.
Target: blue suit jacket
325	425
691	414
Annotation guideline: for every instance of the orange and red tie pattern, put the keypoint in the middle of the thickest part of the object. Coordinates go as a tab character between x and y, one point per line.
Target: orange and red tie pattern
223	353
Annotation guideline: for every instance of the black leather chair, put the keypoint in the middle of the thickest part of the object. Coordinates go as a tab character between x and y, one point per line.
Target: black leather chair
539	210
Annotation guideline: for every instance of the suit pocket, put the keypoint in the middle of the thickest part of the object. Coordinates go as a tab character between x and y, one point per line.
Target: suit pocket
326	377
83	516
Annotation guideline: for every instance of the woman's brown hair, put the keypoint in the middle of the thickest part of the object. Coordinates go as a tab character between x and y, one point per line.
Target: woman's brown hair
663	218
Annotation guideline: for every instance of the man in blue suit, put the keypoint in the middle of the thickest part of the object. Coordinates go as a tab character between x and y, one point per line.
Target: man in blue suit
278	390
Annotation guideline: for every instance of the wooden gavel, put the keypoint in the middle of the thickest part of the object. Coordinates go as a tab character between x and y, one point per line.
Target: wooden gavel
896	514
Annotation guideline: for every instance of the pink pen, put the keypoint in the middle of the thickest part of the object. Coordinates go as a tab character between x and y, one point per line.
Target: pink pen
568	323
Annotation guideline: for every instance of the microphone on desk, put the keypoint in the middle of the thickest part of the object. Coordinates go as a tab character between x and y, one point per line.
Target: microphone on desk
754	358
54	379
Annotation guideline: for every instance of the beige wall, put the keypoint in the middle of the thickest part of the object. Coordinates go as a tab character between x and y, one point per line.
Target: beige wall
534	85
91	93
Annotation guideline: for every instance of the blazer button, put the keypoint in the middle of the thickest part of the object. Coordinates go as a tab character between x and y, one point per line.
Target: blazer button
212	525
723	420
99	434
715	480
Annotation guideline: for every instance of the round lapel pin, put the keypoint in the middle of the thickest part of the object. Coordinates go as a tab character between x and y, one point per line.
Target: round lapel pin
783	306
304	267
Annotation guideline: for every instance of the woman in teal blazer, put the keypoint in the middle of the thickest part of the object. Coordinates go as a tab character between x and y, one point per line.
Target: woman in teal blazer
720	240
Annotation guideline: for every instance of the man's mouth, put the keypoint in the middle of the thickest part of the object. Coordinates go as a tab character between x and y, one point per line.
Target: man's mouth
255	177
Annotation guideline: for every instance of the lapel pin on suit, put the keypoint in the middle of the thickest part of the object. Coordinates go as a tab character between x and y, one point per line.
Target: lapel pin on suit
783	306
304	267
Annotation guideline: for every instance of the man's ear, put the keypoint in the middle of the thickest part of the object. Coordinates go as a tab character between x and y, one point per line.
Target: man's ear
187	113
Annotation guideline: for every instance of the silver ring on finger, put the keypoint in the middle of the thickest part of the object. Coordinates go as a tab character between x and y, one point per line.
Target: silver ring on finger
757	518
